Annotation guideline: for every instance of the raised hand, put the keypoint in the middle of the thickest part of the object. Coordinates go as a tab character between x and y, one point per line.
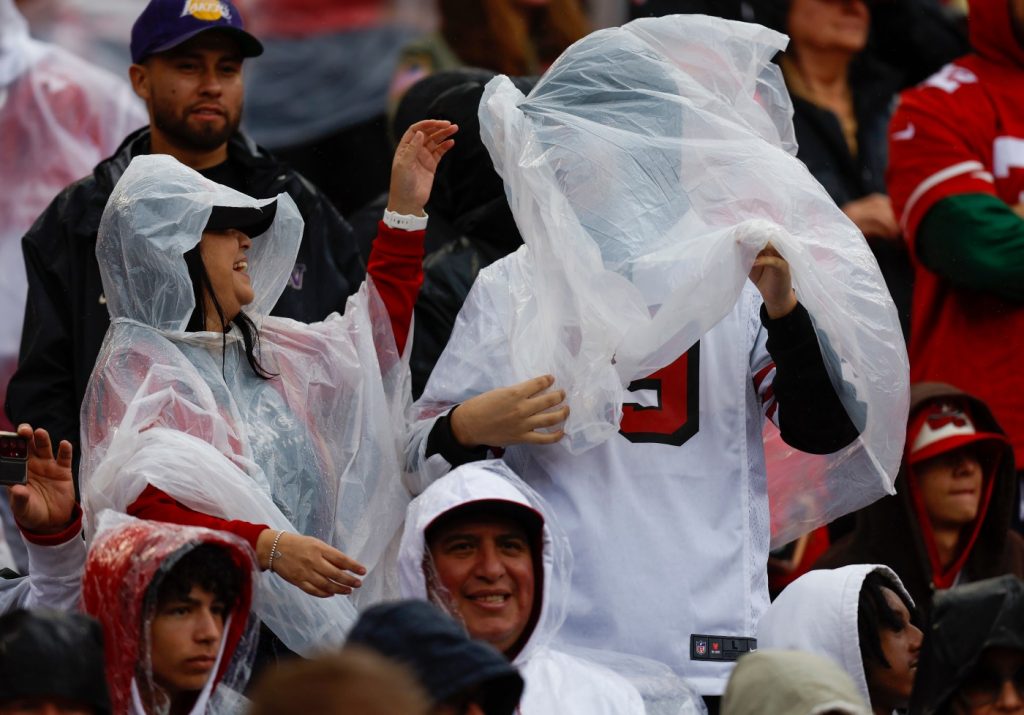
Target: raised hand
308	563
44	505
416	159
770	273
511	415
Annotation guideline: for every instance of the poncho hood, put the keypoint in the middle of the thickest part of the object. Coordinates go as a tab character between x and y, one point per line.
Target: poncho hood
490	481
966	621
817	613
784	682
991	30
156	213
127	559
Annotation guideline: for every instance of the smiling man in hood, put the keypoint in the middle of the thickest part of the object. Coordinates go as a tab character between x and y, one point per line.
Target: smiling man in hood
175	606
479	543
956	178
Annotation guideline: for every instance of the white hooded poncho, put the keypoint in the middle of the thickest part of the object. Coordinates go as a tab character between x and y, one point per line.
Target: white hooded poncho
313	450
817	613
556	682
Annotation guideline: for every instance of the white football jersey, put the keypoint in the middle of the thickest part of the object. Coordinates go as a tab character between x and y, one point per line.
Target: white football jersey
668	520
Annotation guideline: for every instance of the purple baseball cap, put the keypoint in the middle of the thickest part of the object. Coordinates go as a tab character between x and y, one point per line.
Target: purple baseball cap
167	23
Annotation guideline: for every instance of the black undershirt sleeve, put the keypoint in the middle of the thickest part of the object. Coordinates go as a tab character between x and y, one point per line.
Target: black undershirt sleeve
442	441
811	416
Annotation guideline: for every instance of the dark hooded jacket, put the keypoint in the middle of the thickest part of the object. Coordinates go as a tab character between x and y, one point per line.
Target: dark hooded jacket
446	661
888	532
966	621
66	316
470	216
52	655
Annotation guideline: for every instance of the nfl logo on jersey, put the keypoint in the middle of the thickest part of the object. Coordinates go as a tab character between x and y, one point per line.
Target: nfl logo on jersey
701	647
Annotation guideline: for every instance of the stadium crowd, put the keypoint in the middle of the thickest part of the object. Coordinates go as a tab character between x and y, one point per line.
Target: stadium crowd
512	356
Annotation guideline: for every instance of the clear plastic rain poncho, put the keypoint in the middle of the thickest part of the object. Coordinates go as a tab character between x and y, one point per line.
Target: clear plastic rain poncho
59	116
313	450
645	171
127	561
558	680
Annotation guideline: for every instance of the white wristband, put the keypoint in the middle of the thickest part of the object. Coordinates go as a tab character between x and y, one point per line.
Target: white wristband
405	222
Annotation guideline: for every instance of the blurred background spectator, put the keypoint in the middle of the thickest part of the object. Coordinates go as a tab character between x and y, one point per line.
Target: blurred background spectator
789	682
59	115
317	96
949	521
356	682
51	662
512	37
972	661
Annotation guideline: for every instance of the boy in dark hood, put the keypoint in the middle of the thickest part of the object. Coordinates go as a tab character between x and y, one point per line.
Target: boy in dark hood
949	521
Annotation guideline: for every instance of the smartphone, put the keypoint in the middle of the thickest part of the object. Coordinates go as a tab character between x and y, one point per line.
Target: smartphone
13	459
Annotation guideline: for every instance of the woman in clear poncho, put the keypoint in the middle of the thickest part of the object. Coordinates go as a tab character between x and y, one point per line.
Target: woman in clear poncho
284	433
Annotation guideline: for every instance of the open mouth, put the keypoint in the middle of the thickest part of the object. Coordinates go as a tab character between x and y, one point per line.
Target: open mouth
241	266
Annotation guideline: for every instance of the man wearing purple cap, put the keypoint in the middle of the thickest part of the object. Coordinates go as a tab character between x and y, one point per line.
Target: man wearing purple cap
187	66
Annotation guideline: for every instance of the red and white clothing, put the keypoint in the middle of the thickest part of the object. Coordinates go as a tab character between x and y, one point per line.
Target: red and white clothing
962	132
396	268
314	450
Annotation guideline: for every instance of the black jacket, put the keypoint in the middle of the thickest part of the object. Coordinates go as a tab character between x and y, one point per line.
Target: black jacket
846	177
66	317
967	621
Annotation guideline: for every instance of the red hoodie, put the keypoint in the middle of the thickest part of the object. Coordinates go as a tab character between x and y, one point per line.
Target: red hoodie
962	132
122	564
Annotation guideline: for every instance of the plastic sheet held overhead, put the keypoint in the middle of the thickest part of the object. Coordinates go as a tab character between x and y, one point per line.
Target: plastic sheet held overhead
313	450
59	116
645	171
128	560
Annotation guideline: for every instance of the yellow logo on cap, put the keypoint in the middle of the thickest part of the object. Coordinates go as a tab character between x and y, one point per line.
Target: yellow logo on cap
208	10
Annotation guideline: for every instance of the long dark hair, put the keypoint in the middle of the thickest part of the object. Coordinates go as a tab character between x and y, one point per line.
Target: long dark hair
875	613
202	287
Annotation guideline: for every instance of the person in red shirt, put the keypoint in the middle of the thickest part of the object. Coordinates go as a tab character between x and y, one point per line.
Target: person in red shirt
956	178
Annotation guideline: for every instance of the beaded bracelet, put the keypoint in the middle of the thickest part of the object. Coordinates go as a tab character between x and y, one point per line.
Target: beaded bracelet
274	552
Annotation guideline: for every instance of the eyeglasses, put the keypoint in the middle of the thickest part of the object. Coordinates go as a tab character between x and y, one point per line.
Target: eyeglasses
983	685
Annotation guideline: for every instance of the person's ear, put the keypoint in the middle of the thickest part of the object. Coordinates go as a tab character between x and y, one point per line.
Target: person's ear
139	76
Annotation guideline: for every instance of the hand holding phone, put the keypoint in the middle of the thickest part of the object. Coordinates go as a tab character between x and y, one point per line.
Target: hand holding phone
13	459
45	502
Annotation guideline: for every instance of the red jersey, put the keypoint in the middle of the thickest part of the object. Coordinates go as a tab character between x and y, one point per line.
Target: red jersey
961	131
